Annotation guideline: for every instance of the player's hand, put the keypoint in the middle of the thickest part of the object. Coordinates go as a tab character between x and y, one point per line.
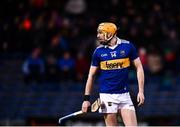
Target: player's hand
85	106
140	98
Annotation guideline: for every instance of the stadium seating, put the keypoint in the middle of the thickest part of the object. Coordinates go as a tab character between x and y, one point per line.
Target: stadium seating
21	101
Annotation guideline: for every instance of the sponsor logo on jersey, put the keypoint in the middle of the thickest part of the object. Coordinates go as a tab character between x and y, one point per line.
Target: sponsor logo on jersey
115	64
103	55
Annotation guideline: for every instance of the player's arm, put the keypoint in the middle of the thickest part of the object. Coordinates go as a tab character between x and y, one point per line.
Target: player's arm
88	89
140	77
90	80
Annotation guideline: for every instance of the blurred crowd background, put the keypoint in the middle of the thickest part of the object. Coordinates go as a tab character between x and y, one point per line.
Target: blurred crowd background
46	48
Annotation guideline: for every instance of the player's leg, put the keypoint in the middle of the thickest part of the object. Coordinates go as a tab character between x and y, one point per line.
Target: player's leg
128	117
109	108
110	119
127	110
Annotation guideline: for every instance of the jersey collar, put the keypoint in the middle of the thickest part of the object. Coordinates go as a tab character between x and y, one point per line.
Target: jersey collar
113	47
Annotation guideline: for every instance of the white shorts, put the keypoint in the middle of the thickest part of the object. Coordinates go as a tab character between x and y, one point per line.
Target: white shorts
111	103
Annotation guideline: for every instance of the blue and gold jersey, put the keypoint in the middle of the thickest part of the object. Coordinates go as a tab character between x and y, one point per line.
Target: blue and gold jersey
114	65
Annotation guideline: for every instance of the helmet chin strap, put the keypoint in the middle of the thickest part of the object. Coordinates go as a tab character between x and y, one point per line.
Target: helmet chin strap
107	39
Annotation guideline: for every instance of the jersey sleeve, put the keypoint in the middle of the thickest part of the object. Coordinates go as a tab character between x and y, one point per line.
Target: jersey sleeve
133	53
95	59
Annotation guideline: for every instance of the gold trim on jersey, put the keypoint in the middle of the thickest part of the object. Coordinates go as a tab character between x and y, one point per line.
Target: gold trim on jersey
115	64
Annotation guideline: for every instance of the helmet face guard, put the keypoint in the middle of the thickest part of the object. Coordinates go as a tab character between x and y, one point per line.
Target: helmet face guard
108	29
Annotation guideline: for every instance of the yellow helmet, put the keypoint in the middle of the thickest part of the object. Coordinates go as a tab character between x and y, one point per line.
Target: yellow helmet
107	27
